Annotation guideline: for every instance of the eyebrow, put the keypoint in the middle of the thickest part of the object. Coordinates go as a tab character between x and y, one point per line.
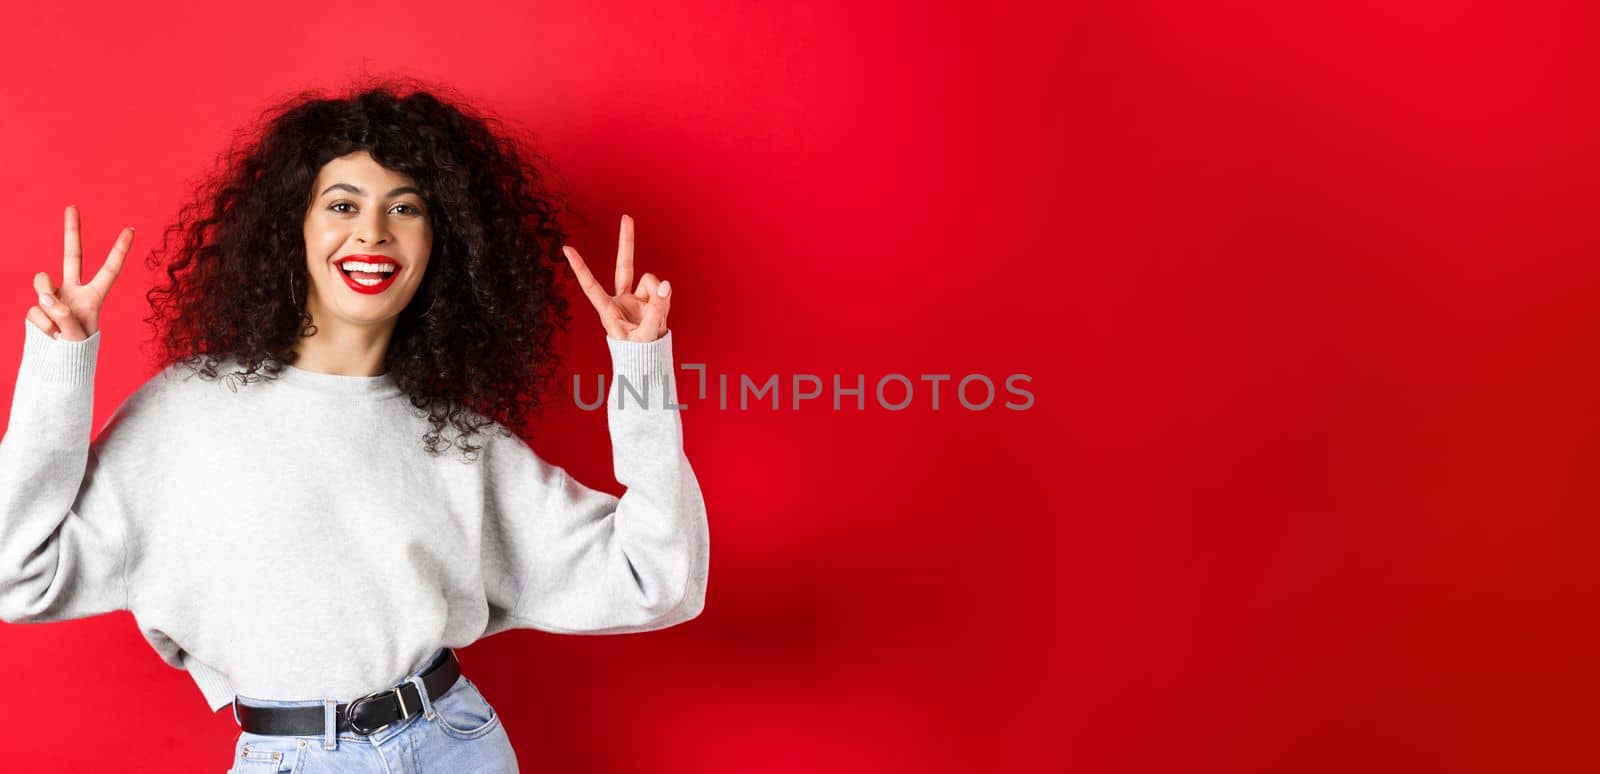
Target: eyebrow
358	192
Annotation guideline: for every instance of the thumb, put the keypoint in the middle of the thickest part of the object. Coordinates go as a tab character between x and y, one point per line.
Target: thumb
654	317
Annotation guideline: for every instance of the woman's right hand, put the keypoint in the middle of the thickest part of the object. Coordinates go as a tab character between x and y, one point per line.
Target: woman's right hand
74	314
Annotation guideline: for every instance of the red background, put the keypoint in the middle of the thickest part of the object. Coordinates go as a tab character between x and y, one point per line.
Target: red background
1304	296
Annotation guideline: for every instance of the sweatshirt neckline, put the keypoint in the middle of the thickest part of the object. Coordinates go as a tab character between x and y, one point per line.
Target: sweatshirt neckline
380	386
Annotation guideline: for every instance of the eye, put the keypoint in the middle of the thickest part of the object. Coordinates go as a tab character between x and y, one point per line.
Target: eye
413	209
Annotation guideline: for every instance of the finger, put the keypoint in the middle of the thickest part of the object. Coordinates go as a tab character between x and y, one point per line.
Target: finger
62	317
647	286
113	266
592	289
655	312
72	260
625	257
42	284
41	320
664	295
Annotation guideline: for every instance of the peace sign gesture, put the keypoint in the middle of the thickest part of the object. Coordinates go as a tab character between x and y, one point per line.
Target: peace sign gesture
73	312
630	315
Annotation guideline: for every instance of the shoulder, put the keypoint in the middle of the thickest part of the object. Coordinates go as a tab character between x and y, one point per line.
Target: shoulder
173	392
203	386
139	407
186	374
507	452
499	441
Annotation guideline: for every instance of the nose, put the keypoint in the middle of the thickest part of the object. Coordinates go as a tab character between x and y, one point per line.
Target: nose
371	230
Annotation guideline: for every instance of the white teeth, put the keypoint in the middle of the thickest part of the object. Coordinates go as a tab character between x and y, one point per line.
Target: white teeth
373	268
368	283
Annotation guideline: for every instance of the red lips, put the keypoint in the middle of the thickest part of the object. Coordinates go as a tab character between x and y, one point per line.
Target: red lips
350	281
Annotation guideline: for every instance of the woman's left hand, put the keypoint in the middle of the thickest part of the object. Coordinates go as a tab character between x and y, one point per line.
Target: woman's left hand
632	314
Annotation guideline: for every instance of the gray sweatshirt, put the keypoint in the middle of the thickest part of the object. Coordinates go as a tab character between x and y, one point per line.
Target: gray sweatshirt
292	540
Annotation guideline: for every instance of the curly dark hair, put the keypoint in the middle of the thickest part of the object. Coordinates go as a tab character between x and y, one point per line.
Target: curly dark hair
483	353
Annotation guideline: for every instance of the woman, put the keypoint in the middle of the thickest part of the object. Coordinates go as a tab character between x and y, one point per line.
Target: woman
363	274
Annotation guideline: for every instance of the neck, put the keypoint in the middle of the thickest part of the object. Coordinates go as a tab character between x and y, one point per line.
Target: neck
343	347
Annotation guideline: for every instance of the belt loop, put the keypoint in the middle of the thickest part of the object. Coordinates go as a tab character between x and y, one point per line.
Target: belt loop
330	736
422	690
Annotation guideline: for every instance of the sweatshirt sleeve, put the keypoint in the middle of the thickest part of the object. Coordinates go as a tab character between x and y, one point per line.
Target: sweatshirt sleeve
56	563
573	560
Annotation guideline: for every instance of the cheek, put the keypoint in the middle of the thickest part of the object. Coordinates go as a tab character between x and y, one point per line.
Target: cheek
318	231
422	251
319	249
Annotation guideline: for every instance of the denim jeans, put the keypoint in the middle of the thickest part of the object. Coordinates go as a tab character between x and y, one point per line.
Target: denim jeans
456	733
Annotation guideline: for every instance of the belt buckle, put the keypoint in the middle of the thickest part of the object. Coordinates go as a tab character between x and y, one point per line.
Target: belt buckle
350	710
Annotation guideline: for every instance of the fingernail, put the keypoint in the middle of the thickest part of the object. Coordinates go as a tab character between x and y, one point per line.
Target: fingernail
663	289
46	300
56	335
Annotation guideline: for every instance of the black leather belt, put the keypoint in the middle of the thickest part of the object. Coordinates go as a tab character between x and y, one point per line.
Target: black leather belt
367	715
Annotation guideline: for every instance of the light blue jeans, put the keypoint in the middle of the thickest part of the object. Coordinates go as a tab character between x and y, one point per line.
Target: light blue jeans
456	733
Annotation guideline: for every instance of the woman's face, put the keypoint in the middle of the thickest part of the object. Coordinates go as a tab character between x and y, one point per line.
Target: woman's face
362	209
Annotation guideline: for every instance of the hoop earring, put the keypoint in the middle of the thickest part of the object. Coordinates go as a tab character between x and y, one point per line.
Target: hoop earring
431	304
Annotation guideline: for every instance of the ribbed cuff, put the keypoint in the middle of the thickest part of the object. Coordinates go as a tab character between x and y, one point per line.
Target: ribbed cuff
642	358
53	401
58	362
638	366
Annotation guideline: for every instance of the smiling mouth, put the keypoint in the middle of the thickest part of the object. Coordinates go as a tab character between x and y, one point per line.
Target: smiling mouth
367	282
